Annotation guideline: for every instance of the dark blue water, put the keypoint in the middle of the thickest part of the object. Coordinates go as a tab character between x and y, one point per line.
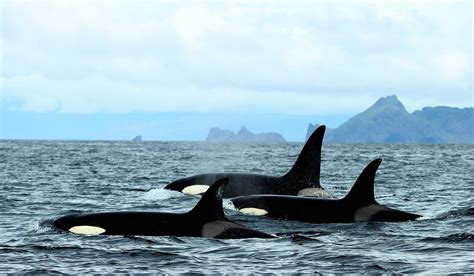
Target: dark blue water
42	180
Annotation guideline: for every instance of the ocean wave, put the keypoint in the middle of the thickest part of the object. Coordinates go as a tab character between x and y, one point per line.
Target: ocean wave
462	212
458	237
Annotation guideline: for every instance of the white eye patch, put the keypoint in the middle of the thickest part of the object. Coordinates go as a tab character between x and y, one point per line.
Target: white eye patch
87	230
195	189
253	211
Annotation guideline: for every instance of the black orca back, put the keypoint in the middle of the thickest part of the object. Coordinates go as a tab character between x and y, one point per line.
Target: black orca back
206	219
303	175
358	205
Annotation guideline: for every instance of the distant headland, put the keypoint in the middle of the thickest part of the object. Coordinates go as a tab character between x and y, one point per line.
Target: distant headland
244	135
387	121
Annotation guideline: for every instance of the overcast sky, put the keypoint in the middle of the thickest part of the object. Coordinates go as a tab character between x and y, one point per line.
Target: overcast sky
146	66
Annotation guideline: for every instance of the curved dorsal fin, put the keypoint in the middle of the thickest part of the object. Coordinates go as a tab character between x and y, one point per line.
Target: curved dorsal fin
362	192
306	169
209	208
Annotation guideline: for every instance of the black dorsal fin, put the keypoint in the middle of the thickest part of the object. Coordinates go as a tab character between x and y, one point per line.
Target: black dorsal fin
209	208
362	192
306	170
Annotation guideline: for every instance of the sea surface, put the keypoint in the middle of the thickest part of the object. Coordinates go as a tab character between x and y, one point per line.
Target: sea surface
43	180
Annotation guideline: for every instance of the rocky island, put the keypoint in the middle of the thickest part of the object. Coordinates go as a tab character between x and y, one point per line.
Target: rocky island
244	135
137	138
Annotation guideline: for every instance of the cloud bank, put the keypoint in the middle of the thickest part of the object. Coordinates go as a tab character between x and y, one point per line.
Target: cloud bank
239	56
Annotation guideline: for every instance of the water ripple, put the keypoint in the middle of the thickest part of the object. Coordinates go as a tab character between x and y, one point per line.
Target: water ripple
42	180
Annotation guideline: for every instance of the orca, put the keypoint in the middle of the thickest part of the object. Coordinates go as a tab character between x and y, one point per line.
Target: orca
206	219
302	179
357	206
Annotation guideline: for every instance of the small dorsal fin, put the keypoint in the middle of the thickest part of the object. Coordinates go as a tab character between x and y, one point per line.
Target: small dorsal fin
209	208
362	192
306	169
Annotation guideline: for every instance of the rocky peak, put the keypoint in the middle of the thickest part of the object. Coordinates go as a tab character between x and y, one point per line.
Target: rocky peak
244	131
389	103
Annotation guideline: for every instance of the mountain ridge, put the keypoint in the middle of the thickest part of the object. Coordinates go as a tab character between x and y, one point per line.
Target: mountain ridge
387	121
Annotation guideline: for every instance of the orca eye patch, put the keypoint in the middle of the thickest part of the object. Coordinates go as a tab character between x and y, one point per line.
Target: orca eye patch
195	189
87	230
253	211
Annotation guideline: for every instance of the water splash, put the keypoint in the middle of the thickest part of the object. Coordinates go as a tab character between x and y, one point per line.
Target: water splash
227	204
161	194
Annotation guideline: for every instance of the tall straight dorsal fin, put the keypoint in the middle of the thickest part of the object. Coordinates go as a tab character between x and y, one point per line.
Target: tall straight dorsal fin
307	167
209	208
362	192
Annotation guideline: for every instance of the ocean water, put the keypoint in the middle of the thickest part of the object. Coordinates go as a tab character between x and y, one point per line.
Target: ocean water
43	180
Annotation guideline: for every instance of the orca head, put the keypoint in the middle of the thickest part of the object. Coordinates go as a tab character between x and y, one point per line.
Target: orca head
251	205
65	223
74	224
188	185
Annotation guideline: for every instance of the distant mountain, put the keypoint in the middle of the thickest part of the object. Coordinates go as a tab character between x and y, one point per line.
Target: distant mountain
387	121
244	135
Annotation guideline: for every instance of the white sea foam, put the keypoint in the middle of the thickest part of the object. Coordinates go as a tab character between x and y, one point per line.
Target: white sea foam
227	204
161	194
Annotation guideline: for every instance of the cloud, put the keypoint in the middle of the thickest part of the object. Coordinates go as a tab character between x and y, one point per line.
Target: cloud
39	94
453	66
285	57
